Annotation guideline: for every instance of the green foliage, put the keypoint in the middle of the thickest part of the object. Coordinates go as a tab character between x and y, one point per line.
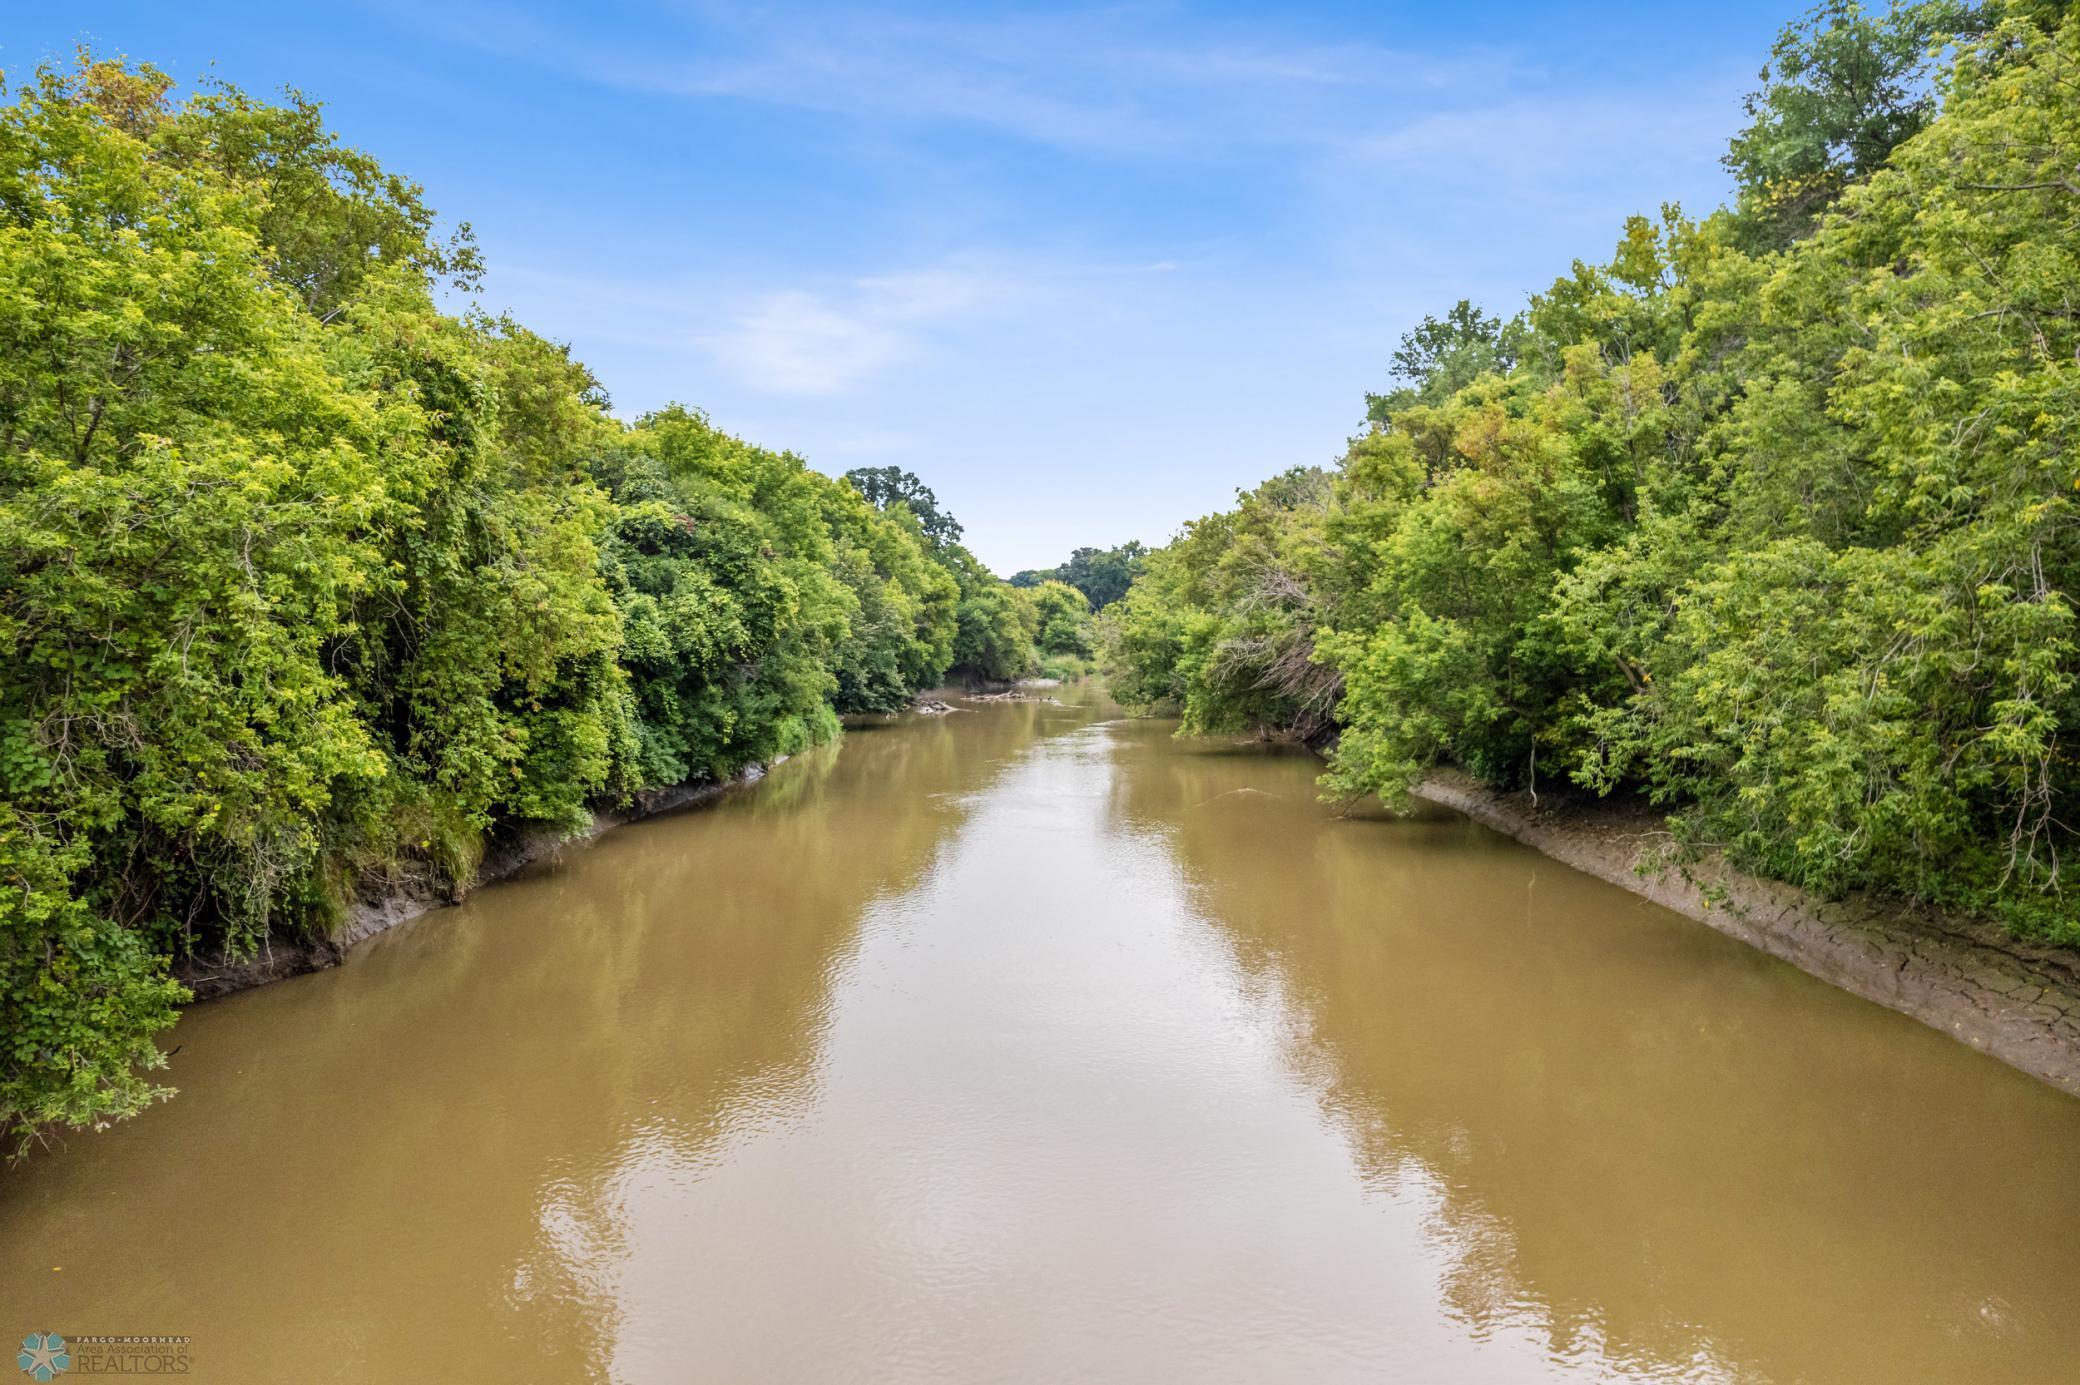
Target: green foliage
723	566
994	623
183	517
309	585
1446	650
1063	618
1439	357
902	634
1859	676
1220	625
1785	539
329	217
888	486
1101	574
1843	88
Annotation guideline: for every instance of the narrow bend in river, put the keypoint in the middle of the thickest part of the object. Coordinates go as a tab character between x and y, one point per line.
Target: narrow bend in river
1031	1044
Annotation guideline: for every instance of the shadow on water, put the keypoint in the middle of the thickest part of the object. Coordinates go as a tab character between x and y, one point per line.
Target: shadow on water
1653	1145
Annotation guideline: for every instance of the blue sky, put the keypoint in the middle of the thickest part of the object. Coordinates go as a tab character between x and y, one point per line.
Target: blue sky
1086	270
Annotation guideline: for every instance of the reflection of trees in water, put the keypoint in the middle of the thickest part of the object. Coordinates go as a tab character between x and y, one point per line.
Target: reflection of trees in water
477	1089
1657	1147
711	954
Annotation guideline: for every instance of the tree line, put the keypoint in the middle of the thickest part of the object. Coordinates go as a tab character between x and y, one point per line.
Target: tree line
1101	574
1769	517
309	587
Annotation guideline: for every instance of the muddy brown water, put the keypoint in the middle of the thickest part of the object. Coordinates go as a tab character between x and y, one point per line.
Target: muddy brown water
1030	1044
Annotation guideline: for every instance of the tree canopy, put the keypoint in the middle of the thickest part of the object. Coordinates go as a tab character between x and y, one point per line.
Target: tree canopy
884	486
1101	574
1843	87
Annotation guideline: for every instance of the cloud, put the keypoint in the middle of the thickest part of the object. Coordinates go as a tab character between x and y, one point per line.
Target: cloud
1156	82
796	343
801	341
921	295
1541	140
821	337
1137	79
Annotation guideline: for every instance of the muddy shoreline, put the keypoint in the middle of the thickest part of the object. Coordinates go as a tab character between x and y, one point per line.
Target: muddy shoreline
2017	1001
385	903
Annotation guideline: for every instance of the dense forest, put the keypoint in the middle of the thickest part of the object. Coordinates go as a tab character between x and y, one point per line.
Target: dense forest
310	586
1770	517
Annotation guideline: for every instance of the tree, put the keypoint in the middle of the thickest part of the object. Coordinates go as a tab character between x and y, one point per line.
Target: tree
1064	618
1780	531
1439	357
1842	89
1104	574
1219	626
996	622
1101	574
884	486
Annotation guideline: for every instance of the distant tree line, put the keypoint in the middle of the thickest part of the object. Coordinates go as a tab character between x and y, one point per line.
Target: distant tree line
1101	574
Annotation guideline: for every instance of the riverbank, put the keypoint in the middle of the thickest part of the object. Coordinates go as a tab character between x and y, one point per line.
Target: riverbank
1969	978
2016	1001
385	902
389	901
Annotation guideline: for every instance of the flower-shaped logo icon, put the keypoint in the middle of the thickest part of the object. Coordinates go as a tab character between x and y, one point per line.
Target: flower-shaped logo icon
43	1356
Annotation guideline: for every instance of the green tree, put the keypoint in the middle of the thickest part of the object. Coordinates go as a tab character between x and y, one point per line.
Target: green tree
1220	626
1844	86
884	486
1064	620
995	622
1101	574
902	635
1440	356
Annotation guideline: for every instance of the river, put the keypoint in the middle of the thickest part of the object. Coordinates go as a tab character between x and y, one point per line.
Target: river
1029	1043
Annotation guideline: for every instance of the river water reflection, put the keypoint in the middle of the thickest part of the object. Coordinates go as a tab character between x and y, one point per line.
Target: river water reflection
1029	1043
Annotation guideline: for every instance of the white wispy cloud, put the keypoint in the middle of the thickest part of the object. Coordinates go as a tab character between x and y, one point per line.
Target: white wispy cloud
828	335
804	341
1531	141
819	337
797	343
1360	121
1131	80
